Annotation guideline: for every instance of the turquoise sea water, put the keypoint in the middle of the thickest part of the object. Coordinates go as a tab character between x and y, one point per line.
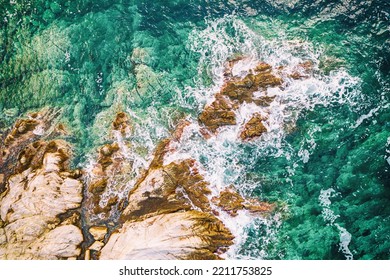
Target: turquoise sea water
161	61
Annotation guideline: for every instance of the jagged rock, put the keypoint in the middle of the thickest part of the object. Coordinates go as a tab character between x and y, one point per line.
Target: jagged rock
218	114
37	199
256	206
178	235
23	133
231	201
167	212
241	89
108	178
236	91
253	128
170	188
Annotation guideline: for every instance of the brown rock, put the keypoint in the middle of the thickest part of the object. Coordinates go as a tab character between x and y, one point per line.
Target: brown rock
108	178
242	90
218	114
170	188
230	201
98	186
122	123
236	91
23	133
253	128
256	206
168	214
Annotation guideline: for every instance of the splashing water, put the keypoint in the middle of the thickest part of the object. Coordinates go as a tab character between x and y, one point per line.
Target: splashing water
324	160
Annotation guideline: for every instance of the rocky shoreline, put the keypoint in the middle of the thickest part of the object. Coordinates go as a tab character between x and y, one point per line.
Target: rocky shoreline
48	210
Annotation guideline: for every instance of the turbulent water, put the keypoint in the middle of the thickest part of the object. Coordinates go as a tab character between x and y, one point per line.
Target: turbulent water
161	61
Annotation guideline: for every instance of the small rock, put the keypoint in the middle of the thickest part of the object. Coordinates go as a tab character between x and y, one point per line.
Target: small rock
87	255
97	245
98	232
230	201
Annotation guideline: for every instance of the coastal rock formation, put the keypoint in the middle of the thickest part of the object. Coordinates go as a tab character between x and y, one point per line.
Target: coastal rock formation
24	132
253	128
108	211
237	90
175	235
122	124
218	114
169	214
107	179
38	212
231	201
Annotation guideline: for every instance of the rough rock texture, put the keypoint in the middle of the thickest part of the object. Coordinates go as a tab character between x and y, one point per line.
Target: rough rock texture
177	235
253	128
24	132
231	201
40	191
166	212
108	177
219	113
236	91
168	215
122	124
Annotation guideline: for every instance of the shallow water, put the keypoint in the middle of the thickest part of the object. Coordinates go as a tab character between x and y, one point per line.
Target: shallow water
161	61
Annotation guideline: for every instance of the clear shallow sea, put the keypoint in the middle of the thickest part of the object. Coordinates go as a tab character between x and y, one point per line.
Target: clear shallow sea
161	61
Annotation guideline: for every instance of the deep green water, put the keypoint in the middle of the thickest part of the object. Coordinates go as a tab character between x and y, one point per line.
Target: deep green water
161	61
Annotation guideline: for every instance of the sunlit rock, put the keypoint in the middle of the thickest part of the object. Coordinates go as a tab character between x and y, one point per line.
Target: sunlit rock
240	87
177	235
253	128
37	221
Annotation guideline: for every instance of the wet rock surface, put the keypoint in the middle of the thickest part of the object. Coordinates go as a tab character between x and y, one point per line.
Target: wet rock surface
253	128
106	211
238	90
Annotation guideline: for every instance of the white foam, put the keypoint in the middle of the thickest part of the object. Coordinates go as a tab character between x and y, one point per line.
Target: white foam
221	154
330	217
345	239
365	116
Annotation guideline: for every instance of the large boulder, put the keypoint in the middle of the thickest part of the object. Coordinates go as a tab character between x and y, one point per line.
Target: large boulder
38	212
